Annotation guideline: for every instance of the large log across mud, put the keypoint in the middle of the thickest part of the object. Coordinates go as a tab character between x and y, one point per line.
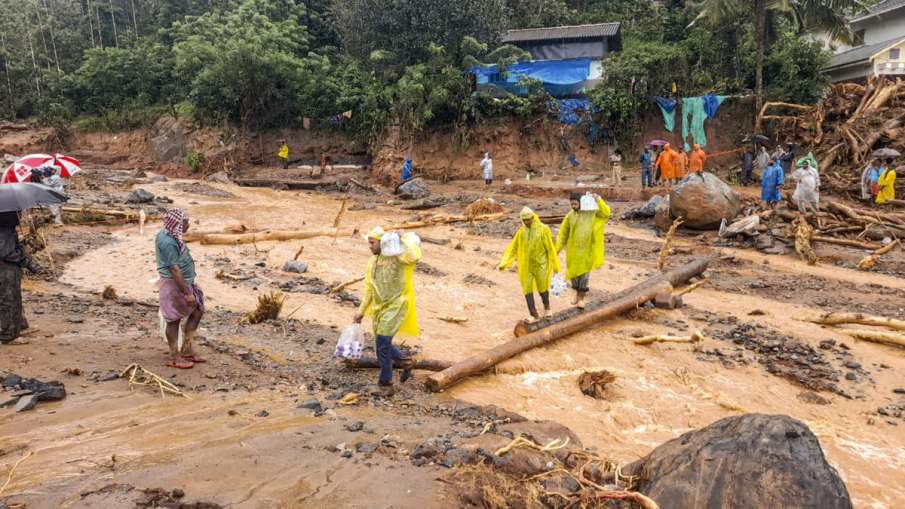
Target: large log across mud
626	301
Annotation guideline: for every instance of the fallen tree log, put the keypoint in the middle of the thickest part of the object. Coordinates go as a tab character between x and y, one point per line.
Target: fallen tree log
294	185
861	319
342	286
126	214
629	300
370	362
666	338
846	242
869	261
284	235
888	338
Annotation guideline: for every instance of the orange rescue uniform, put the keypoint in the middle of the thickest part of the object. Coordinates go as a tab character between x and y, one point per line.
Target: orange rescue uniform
697	160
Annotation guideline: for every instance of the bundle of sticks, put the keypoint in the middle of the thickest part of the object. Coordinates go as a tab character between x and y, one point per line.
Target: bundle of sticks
843	129
840	224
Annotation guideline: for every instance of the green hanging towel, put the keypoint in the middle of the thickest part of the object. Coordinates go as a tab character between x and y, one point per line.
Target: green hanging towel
668	109
693	117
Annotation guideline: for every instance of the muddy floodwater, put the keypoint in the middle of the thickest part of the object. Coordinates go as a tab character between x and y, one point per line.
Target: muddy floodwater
660	391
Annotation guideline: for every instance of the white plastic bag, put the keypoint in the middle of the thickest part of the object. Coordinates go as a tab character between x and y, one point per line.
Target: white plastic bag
350	343
558	286
390	245
588	203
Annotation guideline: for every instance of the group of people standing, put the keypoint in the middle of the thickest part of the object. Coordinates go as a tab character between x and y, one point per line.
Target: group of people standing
878	182
670	165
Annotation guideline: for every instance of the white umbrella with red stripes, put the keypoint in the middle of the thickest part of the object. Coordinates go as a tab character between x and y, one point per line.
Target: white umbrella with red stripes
20	171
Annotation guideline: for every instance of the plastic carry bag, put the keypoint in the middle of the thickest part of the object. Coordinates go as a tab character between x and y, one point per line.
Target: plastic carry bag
588	203
350	343
558	286
390	245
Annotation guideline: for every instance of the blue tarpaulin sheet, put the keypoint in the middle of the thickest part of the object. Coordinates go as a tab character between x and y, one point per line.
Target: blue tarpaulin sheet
570	110
549	72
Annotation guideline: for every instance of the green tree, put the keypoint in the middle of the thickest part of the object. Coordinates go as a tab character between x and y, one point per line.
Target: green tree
825	15
407	29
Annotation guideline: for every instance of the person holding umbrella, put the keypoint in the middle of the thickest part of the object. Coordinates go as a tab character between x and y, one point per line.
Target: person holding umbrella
13	199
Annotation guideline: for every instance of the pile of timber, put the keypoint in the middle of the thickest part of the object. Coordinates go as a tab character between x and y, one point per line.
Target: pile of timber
622	303
840	224
843	129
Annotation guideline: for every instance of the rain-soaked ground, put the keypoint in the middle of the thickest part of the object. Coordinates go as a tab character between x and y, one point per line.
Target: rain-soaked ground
242	441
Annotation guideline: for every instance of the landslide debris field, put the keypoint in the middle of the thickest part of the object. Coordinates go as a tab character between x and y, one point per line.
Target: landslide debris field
274	420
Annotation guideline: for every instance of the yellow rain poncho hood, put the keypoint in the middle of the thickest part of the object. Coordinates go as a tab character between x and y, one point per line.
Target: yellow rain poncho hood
533	249
582	234
389	292
887	185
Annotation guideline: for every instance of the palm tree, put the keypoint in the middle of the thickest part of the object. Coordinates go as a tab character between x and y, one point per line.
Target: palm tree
829	16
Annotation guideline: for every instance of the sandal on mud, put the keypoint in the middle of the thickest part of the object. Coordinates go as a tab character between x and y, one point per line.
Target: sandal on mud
180	364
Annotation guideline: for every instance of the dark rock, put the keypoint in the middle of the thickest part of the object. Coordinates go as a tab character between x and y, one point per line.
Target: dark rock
663	216
456	457
177	493
220	177
113	375
413	189
703	201
312	404
54	391
27	402
430	448
899	390
851	376
757	312
11	381
157	178
9	402
140	196
852	365
747	461
763	242
355	426
827	344
649	209
366	448
263	413
346	454
295	266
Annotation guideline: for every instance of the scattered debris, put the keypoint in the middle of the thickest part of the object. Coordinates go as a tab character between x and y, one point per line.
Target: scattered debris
140	196
483	206
138	375
870	261
413	189
666	338
596	383
109	293
269	307
474	279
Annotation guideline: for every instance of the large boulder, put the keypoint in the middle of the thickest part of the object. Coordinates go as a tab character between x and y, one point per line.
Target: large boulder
703	200
413	189
747	461
168	140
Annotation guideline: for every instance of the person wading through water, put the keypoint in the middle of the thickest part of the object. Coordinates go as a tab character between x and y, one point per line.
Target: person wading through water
389	298
582	235
181	299
533	248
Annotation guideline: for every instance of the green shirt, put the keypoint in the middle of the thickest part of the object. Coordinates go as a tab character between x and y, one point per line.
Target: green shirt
166	249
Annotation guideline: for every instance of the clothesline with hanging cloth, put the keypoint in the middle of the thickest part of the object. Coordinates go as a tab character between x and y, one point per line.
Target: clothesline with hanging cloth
668	109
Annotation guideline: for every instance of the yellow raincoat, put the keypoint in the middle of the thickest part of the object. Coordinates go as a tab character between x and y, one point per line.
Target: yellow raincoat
389	294
536	255
582	234
887	185
284	152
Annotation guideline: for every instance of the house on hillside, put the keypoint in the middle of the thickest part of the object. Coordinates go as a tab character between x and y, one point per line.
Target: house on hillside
568	60
878	45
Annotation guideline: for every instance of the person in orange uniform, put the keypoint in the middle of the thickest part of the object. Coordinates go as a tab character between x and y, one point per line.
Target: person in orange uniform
697	160
681	164
667	163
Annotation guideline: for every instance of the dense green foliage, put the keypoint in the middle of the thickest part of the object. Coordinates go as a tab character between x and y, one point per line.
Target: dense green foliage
260	64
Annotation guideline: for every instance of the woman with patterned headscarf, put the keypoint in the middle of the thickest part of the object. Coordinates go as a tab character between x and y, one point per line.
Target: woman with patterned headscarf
181	300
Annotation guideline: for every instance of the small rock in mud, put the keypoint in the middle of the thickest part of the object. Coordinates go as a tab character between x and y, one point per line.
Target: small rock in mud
27	403
827	344
355	426
757	312
365	448
475	279
263	413
140	196
312	404
851	376
812	398
295	266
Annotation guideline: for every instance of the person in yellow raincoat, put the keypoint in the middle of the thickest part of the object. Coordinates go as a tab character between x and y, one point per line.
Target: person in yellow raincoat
667	163
887	184
533	249
389	297
582	235
283	154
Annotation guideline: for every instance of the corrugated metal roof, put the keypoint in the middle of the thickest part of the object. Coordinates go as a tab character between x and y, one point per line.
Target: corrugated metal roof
564	32
886	5
861	53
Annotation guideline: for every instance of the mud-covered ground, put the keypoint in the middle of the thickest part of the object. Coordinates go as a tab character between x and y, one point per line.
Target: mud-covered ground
266	426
